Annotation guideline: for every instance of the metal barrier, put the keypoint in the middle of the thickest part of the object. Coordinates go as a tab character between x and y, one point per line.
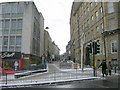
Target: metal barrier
50	77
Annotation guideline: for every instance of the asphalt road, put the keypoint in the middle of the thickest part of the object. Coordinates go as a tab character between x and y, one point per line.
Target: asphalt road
108	82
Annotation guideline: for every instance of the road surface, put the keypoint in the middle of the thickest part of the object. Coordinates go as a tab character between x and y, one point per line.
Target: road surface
108	82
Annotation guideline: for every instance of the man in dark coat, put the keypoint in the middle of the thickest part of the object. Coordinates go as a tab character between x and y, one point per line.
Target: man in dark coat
104	67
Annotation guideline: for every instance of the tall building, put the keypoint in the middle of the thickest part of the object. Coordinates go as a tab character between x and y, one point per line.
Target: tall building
21	34
68	53
95	22
55	51
47	45
51	50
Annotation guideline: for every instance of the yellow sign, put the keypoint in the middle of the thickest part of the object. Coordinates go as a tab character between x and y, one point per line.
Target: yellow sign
75	65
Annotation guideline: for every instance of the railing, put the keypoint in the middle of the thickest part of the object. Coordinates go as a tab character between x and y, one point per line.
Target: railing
52	77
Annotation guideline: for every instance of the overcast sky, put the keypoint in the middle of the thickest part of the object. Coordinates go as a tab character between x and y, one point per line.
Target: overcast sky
56	14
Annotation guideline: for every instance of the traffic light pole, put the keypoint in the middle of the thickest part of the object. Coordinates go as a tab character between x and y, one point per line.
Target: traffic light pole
93	57
94	48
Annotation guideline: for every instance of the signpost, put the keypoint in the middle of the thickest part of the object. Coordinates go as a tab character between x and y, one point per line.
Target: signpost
75	66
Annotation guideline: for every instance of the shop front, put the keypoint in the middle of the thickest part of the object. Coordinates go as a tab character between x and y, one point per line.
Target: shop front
11	60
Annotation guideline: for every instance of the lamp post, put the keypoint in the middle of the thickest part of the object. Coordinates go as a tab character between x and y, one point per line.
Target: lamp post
82	50
104	43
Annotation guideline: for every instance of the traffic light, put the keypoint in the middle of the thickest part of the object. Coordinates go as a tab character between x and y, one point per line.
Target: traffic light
90	48
96	48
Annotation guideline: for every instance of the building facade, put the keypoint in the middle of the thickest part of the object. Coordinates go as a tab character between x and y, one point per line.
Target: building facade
68	51
51	50
55	52
21	34
47	45
95	22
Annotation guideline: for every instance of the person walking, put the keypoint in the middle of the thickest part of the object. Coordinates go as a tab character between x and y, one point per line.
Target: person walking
104	67
109	67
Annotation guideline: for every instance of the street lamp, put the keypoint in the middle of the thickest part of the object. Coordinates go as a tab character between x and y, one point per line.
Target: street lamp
103	30
47	28
82	53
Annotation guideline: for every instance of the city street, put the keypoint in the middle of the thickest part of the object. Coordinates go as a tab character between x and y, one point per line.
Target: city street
59	44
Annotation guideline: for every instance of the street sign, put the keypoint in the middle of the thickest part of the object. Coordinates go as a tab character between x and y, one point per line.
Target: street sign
75	65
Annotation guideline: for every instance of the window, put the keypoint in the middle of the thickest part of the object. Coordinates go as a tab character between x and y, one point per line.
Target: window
4	48
19	31
110	7
7	24
12	40
101	10
114	62
87	8
0	40
92	32
11	48
18	40
97	28
102	27
85	12
96	14
91	4
0	32
113	46
5	40
3	24
0	23
81	16
6	31
13	24
103	46
96	3
20	8
6	8
82	27
88	22
12	31
0	9
19	26
92	17
18	48
0	48
85	25
13	8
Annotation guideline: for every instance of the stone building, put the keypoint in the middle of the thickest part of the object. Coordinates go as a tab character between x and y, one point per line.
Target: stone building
95	22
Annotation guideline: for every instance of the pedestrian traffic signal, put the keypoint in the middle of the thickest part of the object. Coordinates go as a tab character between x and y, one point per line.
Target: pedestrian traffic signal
96	48
90	48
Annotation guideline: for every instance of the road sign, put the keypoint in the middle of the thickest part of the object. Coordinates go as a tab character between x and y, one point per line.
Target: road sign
75	65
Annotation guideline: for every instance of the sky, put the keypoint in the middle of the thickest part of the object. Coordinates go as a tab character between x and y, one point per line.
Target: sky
56	15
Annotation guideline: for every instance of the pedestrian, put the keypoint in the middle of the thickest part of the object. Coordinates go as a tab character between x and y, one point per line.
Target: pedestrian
104	67
109	67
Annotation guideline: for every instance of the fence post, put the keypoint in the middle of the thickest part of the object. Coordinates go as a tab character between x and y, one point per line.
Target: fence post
76	73
54	76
